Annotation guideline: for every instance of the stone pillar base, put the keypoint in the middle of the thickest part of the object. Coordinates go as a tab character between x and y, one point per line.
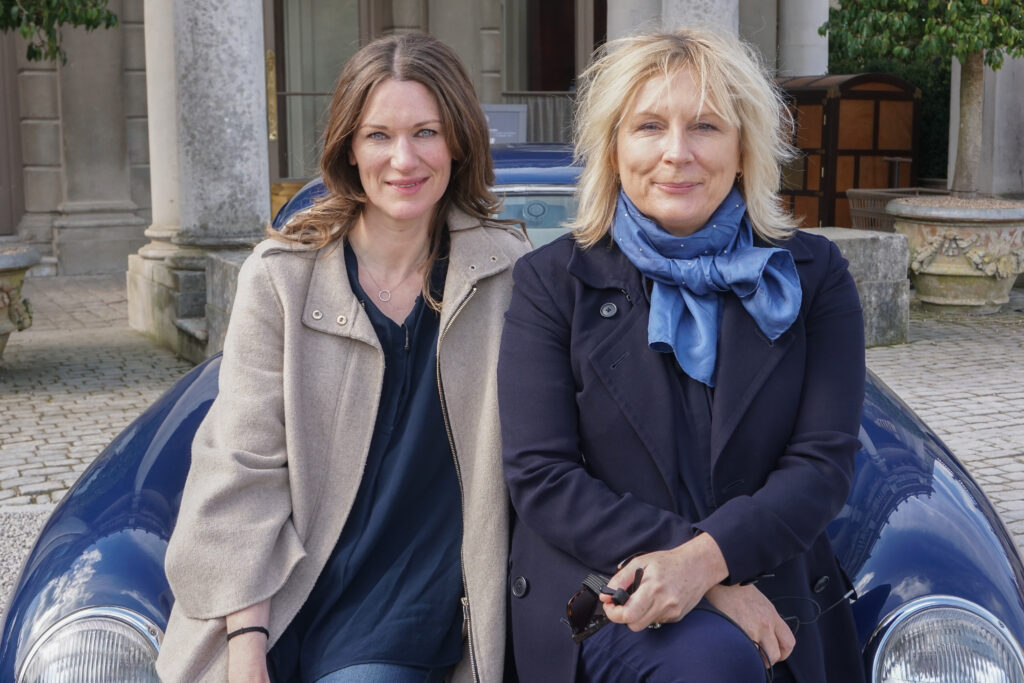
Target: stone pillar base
221	280
878	264
91	242
161	301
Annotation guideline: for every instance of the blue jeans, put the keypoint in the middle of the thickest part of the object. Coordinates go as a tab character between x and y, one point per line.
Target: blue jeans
384	673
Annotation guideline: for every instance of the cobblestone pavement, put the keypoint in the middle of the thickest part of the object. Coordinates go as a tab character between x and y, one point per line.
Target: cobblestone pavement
964	376
79	375
68	385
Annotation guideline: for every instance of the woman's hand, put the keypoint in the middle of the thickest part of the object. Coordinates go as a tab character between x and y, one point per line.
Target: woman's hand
758	618
673	582
247	652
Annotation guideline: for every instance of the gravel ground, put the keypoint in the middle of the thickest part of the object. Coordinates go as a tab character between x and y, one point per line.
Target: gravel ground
18	530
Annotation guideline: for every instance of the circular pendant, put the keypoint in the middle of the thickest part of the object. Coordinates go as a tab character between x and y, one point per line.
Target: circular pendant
384	295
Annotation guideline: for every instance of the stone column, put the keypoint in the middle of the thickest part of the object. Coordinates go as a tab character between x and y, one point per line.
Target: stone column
208	156
222	123
724	14
97	227
625	18
802	52
1002	142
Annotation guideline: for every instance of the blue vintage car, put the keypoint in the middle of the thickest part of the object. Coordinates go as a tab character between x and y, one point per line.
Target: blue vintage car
938	581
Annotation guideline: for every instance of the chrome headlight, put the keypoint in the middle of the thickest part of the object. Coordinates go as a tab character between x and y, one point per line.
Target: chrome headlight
96	645
943	639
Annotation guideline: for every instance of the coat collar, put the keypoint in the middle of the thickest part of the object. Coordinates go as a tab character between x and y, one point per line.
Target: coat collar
332	308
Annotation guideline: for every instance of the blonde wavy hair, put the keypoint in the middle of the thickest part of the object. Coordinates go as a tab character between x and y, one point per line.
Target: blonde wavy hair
733	82
429	62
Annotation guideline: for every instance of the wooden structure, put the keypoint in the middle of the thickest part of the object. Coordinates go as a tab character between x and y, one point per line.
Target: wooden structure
853	131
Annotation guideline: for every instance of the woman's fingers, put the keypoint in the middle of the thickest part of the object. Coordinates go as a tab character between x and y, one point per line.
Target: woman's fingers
755	614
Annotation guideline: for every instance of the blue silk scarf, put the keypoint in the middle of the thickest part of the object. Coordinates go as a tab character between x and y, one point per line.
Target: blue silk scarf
690	273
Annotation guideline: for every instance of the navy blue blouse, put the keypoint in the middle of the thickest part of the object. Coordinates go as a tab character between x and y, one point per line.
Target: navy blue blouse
390	592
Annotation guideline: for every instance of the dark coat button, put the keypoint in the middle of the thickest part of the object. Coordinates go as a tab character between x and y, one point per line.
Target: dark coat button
821	584
520	586
608	310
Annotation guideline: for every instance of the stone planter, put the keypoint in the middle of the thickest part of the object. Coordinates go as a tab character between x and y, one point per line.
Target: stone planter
965	254
14	311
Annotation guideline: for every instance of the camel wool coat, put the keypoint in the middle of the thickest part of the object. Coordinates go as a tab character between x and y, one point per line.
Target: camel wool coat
277	462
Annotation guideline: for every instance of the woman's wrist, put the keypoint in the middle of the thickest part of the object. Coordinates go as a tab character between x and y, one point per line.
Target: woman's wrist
710	561
249	629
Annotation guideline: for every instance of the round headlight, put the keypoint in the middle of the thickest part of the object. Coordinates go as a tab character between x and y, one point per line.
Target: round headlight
943	639
97	645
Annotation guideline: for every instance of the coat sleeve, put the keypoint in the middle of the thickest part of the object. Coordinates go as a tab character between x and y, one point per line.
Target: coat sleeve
551	490
812	475
234	543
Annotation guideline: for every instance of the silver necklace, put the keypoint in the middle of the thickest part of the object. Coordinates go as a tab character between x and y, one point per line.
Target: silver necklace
384	293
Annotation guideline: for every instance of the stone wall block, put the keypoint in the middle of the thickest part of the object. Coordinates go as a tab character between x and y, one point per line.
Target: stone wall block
40	143
43	189
37	95
221	282
878	265
135	94
886	307
490	50
138	177
134	46
137	138
491	87
408	14
102	247
490	14
191	293
131	12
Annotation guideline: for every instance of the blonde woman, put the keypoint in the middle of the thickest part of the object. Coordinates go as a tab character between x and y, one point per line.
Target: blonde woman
681	384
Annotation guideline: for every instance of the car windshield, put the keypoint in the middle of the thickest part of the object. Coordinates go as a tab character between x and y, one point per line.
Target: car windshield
544	210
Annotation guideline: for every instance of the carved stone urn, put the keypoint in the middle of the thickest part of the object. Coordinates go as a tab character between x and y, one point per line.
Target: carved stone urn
15	313
965	254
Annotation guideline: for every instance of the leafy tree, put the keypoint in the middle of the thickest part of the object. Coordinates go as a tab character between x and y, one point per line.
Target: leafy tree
978	33
40	22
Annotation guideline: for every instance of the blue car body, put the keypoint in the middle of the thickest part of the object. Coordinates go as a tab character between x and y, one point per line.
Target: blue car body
915	525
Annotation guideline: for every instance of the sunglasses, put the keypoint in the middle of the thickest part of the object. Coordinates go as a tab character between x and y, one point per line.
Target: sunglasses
584	612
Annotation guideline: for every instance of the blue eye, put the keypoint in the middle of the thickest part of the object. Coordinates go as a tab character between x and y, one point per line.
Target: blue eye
426	133
377	135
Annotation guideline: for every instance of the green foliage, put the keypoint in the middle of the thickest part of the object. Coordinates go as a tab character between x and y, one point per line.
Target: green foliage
920	30
40	22
932	78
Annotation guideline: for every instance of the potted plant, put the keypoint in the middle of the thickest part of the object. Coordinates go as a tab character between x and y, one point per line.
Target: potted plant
15	313
966	250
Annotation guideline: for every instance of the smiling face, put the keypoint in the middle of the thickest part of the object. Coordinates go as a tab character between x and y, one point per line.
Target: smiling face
400	151
676	160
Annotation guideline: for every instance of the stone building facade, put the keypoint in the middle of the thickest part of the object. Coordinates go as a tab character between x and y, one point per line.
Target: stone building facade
165	141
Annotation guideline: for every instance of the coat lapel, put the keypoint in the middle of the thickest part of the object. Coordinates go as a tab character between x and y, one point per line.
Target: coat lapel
634	375
746	358
330	305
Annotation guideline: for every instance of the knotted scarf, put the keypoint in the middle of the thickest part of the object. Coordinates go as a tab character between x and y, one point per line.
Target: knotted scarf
689	273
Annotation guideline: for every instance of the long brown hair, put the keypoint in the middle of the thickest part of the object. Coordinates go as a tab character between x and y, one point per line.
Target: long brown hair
429	62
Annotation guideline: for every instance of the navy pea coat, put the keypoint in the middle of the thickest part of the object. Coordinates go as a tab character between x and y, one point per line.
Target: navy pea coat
591	462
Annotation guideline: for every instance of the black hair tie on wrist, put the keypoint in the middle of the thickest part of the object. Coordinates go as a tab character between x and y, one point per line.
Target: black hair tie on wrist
249	629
